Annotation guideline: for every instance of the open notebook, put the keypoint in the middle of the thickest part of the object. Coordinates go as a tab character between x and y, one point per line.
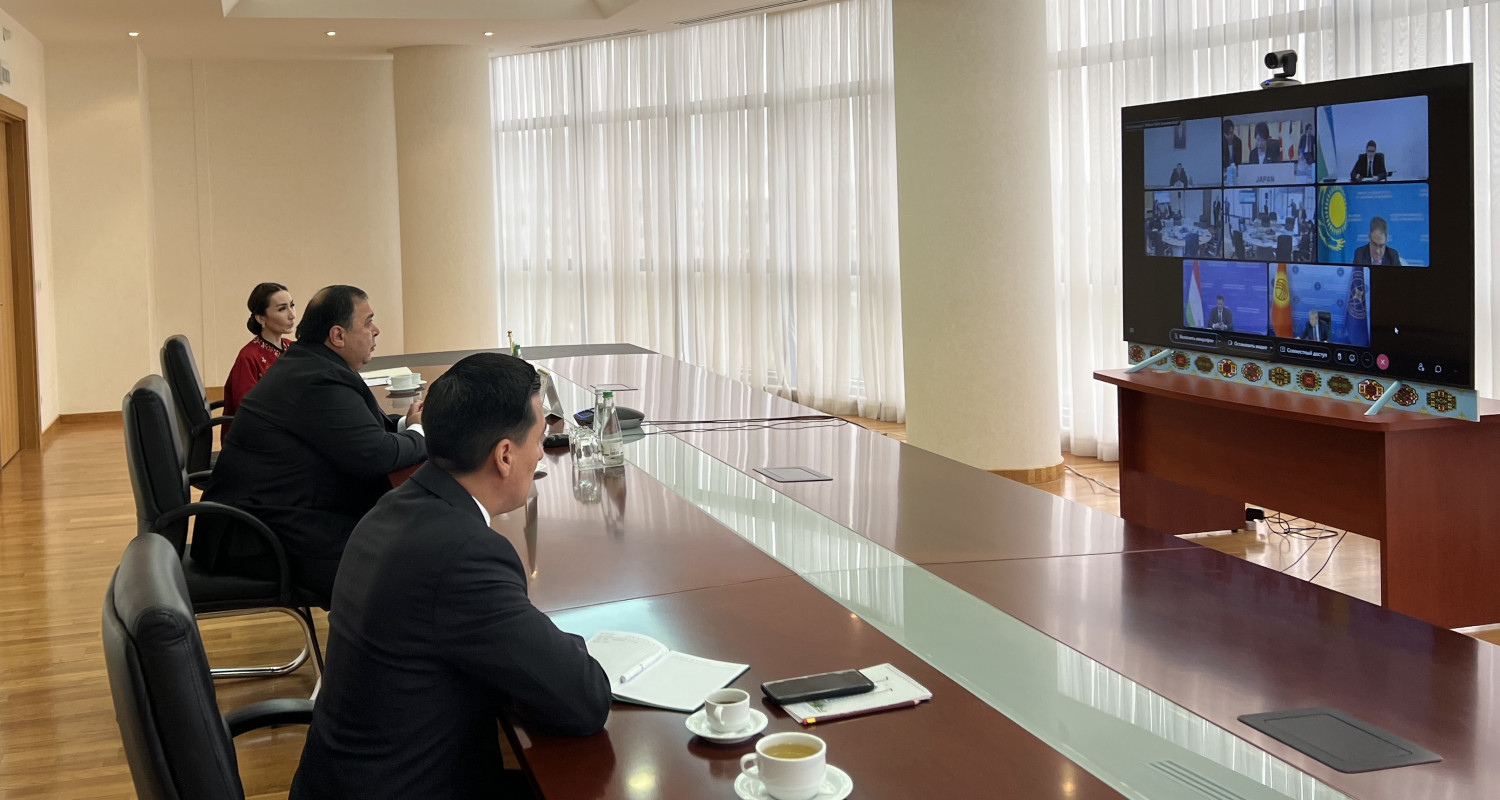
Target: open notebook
642	670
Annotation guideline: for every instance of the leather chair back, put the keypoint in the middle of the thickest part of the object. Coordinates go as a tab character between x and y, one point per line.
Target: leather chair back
153	449
181	371
176	742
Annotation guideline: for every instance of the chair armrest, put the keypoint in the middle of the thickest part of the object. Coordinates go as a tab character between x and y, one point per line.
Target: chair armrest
213	422
209	508
215	404
266	713
200	475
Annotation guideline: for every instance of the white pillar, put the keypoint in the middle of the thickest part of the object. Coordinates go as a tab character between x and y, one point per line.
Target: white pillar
445	160
977	294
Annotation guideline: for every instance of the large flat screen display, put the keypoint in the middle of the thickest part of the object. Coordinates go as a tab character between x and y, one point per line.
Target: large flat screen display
1330	224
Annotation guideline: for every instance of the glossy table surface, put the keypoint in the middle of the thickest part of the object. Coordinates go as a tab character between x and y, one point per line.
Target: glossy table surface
1069	654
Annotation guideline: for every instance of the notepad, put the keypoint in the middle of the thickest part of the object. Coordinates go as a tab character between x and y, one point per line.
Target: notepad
893	689
644	671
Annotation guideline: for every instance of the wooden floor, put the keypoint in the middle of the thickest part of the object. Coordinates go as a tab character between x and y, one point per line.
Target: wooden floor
67	513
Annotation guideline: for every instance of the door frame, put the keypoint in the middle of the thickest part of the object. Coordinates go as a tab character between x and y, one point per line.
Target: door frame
18	187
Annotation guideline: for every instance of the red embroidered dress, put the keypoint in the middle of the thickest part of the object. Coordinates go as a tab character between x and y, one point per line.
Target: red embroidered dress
254	359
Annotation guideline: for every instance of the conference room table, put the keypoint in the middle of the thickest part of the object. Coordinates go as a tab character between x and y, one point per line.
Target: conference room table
1070	654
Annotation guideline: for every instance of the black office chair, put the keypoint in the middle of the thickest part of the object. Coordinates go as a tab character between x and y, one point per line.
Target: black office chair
1283	247
1239	243
153	447
194	412
176	741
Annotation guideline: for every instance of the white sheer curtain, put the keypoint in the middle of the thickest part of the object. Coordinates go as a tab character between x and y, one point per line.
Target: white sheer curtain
1106	54
725	194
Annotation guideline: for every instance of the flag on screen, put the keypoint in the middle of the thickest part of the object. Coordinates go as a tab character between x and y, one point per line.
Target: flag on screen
1356	311
1281	304
1192	305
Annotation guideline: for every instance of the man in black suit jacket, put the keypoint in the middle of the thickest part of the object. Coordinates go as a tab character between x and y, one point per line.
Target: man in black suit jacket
1179	177
310	451
432	635
1221	317
1370	166
1377	252
1317	327
1234	146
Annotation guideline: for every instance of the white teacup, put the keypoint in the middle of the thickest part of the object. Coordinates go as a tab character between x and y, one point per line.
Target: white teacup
405	383
790	765
727	710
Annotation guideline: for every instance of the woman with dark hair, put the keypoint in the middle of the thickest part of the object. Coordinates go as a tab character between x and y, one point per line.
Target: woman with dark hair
273	315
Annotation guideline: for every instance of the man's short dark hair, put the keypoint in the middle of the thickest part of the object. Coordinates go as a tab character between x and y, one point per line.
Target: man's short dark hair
1220	297
479	402
1378	224
332	305
1228	126
1263	131
1370	144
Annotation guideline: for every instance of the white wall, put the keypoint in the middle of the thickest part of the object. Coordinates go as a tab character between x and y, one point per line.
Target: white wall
101	212
271	171
24	55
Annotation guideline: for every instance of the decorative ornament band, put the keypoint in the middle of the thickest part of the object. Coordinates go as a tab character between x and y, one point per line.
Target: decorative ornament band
1438	401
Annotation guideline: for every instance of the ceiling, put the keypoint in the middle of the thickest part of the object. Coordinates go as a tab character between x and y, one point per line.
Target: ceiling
292	29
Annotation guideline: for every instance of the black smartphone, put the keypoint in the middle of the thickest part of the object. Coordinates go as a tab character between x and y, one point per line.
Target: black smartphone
817	687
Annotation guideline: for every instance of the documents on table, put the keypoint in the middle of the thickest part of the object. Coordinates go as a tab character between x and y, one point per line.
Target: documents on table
382	377
642	670
893	689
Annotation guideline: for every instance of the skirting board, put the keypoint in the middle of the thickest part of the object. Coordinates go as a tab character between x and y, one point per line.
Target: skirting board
1034	475
83	419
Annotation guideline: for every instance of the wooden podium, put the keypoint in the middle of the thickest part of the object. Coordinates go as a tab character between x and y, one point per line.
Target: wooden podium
1194	451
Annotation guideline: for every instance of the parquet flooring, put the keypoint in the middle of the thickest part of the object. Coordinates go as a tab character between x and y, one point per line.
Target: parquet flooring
66	513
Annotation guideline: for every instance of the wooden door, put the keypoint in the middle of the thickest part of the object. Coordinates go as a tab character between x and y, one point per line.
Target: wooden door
10	390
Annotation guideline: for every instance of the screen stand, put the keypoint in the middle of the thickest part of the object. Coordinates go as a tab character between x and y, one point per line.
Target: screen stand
1385	397
1150	361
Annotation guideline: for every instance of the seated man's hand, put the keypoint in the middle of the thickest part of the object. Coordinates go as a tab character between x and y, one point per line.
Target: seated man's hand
414	414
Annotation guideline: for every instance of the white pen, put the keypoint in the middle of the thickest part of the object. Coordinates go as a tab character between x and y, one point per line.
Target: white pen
636	670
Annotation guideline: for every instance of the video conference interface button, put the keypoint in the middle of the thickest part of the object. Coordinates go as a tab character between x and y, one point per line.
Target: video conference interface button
1312	351
1346	357
1194	338
1259	346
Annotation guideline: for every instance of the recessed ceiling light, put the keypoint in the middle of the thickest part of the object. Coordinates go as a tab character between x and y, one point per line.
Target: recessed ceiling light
489	33
333	33
134	34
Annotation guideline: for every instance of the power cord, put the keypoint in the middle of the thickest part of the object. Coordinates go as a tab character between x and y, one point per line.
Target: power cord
1092	480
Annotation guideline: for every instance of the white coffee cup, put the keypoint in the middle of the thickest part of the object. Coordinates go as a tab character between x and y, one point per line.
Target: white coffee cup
405	383
788	776
727	710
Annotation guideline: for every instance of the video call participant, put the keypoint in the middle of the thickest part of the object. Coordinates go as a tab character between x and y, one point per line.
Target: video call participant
433	636
1234	147
1179	176
1370	167
310	451
1376	252
1264	152
1317	327
1307	146
1221	317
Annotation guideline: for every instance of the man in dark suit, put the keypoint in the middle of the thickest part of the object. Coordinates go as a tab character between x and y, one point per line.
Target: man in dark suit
1221	317
1376	252
1371	166
432	636
1307	146
1234	146
1263	152
1179	177
1317	327
310	451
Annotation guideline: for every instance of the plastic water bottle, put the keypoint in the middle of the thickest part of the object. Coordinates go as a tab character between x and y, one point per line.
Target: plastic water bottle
611	443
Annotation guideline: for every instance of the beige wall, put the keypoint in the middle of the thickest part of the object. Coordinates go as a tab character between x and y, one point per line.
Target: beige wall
101	212
271	170
24	55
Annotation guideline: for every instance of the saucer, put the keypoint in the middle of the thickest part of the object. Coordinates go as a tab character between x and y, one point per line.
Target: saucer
836	786
394	390
697	722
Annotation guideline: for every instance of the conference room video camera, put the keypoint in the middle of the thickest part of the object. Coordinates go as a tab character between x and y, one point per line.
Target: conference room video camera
1284	60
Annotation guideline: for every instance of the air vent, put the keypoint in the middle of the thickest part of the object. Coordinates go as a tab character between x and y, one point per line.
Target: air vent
737	12
582	39
1196	781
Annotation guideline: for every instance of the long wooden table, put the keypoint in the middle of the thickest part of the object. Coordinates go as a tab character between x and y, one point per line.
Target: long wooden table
1194	451
1213	635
